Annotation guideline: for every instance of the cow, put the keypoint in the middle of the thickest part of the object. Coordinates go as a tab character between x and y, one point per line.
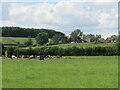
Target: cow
57	56
13	56
41	57
54	57
25	56
32	56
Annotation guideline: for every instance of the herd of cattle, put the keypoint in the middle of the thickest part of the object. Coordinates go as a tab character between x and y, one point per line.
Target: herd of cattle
39	57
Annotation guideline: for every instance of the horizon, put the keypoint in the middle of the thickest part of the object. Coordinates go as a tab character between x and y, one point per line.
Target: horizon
59	31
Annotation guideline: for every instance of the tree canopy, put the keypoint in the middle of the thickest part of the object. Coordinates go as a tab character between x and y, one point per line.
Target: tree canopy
25	32
42	38
76	35
29	42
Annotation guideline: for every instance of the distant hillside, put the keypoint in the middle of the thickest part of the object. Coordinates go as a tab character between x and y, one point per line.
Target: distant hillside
25	32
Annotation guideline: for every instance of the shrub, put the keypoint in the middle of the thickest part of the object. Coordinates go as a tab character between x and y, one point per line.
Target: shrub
69	51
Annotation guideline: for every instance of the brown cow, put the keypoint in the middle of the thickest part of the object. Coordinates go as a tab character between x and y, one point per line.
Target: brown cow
54	57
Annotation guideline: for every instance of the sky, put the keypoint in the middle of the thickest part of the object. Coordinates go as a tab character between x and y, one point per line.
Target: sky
90	16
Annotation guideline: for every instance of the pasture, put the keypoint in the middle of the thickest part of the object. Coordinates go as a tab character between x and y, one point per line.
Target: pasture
84	45
14	40
66	72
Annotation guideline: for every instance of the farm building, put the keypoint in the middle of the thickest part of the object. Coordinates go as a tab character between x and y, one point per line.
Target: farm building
89	38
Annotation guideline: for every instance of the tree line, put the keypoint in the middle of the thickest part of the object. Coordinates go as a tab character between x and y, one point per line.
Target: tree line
50	37
25	32
76	36
68	51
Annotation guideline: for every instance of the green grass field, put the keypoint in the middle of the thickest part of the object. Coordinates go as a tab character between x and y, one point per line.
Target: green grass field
14	40
66	72
84	45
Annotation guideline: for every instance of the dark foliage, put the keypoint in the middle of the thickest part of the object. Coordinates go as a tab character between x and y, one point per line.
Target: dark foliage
69	51
25	32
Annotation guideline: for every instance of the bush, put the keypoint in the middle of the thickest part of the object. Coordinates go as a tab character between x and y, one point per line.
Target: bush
69	51
11	50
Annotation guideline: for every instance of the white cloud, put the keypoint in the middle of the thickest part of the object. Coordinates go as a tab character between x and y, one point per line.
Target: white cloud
63	13
66	15
10	23
5	0
108	20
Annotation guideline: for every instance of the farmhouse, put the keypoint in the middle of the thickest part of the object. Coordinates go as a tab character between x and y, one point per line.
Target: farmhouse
89	38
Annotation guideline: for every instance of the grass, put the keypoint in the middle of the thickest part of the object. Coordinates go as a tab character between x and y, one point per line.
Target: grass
84	45
67	72
14	40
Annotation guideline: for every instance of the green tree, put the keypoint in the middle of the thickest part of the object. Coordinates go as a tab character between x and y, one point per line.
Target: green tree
25	32
11	50
58	39
76	35
97	38
29	42
50	42
64	39
84	38
42	38
2	48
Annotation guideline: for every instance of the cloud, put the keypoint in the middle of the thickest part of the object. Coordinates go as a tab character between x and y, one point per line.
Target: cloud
10	23
66	16
53	14
5	0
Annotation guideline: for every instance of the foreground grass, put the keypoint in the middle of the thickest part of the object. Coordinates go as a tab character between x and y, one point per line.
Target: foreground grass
67	72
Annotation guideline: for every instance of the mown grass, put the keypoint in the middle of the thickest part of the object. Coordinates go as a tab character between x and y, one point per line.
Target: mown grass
67	72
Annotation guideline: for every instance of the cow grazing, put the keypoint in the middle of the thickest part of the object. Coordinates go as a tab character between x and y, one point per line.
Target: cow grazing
31	57
41	57
13	56
25	56
54	57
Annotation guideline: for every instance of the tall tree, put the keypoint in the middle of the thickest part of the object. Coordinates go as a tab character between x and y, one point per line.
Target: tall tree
64	39
57	39
97	38
42	38
84	38
76	35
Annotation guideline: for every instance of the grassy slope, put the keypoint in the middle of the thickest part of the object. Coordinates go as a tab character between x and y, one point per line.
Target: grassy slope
13	40
85	45
68	72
